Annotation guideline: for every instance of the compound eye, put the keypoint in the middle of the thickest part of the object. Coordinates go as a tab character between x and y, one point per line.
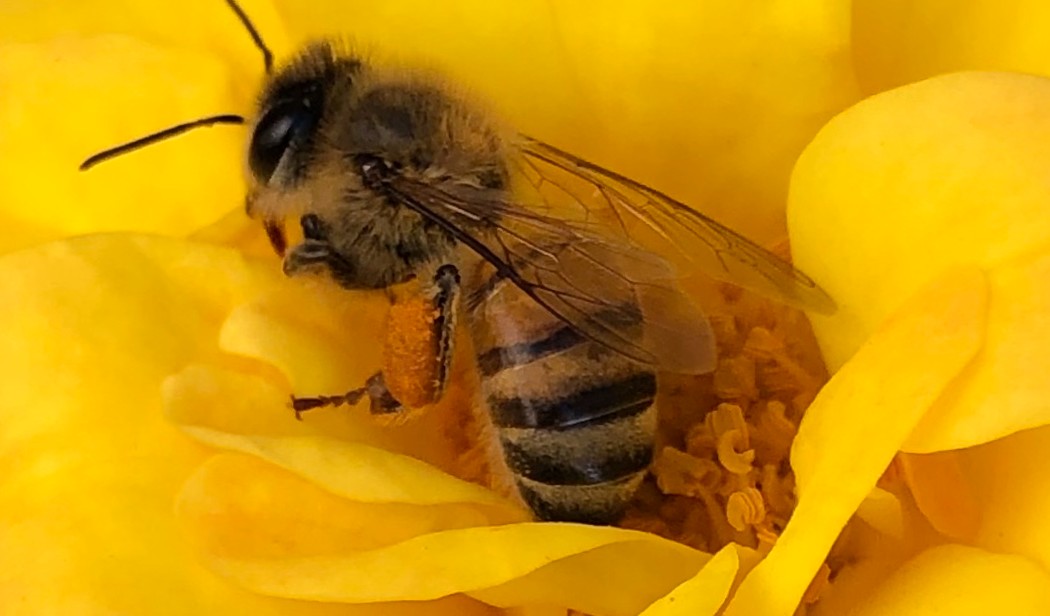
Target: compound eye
286	124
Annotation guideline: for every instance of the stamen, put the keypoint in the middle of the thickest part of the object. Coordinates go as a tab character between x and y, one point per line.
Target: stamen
731	454
726	418
773	433
745	509
678	472
762	345
722	472
777	492
734	379
767	537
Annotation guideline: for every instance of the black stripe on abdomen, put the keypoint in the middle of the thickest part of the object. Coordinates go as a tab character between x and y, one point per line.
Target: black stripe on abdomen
624	397
500	358
579	457
582	463
602	503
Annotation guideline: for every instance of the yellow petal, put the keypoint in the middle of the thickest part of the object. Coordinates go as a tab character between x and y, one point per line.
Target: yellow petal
202	25
857	423
588	562
910	182
346	522
1005	390
360	472
273	513
943	494
959	580
42	142
703	594
76	79
596	581
325	340
88	466
709	101
882	510
899	41
1009	478
239	401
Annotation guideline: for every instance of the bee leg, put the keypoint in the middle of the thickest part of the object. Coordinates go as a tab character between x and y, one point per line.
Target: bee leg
445	293
446	300
315	251
375	388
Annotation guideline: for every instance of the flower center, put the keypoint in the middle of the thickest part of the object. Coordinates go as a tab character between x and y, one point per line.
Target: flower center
722	472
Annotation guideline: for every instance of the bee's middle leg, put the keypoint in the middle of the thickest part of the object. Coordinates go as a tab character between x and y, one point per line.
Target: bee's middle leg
382	402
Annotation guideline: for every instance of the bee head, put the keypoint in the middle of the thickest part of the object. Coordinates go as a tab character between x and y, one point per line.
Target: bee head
290	111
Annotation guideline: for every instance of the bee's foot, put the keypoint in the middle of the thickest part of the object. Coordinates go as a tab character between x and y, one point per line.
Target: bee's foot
350	398
382	402
307	255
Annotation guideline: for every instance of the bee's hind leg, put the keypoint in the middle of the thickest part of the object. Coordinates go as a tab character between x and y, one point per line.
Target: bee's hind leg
381	400
445	292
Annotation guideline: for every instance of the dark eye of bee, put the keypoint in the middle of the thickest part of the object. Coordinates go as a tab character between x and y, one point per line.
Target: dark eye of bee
287	124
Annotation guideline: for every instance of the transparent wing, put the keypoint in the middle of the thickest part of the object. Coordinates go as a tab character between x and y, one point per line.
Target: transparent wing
587	244
641	213
610	291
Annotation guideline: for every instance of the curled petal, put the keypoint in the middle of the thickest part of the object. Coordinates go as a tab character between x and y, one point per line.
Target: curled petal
89	465
360	472
882	511
1007	480
1005	390
329	520
704	593
949	171
857	423
505	565
943	493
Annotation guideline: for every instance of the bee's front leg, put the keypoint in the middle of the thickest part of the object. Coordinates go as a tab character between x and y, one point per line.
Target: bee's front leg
417	357
315	251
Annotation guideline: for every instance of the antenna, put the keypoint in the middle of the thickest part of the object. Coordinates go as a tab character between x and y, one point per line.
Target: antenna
173	131
256	38
142	142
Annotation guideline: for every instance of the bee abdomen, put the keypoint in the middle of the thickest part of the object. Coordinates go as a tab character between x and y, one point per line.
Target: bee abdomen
584	470
576	424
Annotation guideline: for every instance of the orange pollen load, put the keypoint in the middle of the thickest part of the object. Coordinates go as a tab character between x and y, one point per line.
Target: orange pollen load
410	359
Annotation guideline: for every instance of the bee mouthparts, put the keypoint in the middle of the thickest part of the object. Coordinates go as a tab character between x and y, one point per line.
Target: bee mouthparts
275	233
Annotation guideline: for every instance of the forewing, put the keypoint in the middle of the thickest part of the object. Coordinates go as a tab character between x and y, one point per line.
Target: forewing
645	216
604	287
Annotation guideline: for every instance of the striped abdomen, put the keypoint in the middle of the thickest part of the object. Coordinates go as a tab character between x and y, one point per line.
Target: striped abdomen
575	420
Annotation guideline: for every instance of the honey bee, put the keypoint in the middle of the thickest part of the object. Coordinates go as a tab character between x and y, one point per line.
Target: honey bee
558	268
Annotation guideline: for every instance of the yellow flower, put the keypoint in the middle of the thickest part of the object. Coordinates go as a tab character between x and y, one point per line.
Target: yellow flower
938	184
151	464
